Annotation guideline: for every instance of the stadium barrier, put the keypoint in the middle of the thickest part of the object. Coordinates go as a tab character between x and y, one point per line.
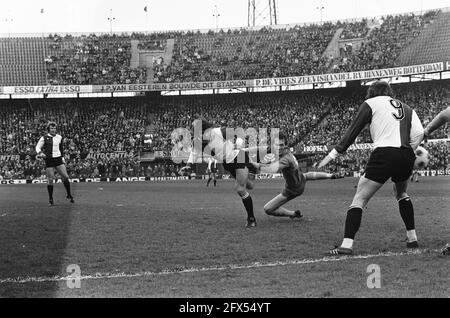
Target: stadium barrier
355	174
253	83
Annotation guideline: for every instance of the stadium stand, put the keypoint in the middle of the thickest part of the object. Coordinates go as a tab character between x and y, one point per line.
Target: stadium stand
225	55
432	45
384	44
94	126
106	125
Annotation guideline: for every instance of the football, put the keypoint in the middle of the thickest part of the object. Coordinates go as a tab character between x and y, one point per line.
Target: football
422	158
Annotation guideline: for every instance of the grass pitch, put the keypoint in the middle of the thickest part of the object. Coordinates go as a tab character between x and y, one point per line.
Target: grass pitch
181	239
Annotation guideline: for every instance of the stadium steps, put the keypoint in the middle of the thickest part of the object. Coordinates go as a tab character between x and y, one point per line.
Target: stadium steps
134	62
168	53
333	47
432	45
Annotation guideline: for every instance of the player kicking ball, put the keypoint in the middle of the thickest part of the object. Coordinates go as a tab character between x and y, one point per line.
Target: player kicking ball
295	179
49	148
216	142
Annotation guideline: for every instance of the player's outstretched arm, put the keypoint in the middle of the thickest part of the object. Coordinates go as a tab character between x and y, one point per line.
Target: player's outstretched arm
438	121
363	117
330	157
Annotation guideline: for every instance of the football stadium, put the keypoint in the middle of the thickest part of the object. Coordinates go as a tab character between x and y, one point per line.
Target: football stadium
104	192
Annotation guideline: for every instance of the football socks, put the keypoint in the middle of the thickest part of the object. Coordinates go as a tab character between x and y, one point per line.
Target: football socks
352	222
248	204
50	191
407	213
67	186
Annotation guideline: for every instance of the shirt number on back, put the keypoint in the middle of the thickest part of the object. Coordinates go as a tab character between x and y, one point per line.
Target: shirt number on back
400	114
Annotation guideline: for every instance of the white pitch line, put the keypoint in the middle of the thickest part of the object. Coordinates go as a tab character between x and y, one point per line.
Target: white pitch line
24	280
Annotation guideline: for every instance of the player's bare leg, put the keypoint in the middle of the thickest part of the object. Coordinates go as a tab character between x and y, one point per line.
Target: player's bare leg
50	172
65	178
251	181
241	189
314	176
407	212
365	191
274	208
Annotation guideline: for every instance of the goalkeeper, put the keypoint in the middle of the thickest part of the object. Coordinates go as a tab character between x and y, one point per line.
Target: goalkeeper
295	179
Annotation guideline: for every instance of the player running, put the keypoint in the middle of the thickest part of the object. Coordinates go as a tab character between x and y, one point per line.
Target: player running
295	179
212	171
50	148
396	132
220	145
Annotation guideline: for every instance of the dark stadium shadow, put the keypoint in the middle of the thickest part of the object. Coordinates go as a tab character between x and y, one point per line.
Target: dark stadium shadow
33	240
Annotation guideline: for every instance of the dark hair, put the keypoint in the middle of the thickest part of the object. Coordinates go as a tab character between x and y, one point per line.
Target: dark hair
50	124
379	88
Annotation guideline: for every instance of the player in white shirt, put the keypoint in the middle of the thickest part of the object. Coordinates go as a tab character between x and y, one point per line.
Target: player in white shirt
219	144
212	171
396	132
50	148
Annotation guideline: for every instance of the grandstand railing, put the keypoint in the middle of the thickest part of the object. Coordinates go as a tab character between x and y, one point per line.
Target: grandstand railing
397	72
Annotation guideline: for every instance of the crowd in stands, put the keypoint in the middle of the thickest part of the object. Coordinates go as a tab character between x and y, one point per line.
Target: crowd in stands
385	43
90	59
132	126
233	54
254	54
355	30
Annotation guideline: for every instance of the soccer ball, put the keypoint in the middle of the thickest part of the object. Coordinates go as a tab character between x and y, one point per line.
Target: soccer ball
422	158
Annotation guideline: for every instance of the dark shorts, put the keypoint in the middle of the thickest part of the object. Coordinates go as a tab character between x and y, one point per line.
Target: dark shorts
53	162
293	192
241	161
389	162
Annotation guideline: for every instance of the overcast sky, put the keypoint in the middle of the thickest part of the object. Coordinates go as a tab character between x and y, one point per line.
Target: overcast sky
24	16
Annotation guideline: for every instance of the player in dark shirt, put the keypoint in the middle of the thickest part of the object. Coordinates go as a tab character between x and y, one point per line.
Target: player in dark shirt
295	179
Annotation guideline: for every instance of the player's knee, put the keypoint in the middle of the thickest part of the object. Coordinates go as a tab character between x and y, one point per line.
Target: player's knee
401	196
268	210
242	193
50	180
359	202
